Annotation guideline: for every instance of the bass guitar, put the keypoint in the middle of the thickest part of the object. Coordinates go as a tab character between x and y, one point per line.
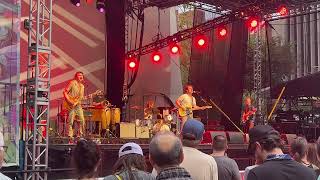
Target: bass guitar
246	116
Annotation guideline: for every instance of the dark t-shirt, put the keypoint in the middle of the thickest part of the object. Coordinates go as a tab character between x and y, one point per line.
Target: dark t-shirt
281	170
227	168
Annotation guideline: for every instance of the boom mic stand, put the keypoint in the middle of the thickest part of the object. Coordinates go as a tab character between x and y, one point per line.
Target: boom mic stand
225	115
207	104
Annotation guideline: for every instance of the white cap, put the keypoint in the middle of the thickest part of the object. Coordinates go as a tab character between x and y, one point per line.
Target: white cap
130	148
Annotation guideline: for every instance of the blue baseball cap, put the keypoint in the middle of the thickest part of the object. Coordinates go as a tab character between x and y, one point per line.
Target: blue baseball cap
192	130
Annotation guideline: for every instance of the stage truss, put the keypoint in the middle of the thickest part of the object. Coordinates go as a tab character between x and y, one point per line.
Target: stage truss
38	88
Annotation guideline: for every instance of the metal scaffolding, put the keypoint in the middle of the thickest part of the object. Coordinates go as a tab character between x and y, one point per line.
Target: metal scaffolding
257	74
38	88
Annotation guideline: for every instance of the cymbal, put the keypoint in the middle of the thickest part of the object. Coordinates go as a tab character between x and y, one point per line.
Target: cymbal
136	107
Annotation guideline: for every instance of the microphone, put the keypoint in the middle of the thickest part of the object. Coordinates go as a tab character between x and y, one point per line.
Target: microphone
197	92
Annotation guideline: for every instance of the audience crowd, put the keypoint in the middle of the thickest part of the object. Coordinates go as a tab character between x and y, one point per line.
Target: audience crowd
178	158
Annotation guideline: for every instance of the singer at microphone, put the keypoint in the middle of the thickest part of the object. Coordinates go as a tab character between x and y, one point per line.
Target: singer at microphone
186	104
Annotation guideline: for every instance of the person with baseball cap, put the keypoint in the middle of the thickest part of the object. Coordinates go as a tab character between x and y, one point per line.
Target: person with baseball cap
131	164
265	141
201	166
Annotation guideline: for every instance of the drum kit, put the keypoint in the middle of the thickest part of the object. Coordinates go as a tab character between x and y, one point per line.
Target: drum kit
157	119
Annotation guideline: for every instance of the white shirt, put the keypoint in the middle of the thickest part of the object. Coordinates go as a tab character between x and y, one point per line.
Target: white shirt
201	166
3	177
187	101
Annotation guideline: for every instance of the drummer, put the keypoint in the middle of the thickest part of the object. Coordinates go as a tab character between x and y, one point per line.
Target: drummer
100	112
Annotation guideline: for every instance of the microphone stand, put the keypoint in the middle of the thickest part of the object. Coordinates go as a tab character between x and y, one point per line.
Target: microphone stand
225	115
206	103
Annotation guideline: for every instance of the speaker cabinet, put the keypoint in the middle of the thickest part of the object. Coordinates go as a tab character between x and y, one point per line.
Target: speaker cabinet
127	130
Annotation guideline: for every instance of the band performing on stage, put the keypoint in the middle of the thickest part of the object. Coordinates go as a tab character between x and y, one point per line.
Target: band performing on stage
98	117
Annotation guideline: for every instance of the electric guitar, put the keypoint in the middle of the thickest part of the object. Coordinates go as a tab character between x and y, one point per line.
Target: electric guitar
247	115
74	101
188	110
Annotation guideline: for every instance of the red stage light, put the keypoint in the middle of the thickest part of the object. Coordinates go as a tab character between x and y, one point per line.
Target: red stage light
253	23
201	42
132	63
283	10
222	32
156	56
175	49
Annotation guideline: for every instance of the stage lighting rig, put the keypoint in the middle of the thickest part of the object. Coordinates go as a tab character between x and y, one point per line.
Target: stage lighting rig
101	5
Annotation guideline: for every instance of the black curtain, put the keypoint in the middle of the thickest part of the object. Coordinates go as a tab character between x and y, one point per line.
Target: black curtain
218	72
115	21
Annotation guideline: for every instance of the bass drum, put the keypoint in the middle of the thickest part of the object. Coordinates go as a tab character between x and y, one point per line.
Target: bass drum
115	115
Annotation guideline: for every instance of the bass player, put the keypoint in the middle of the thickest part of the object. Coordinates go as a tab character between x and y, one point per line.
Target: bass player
248	115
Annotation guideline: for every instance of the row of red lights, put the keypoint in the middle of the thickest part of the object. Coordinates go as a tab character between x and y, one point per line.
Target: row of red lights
201	41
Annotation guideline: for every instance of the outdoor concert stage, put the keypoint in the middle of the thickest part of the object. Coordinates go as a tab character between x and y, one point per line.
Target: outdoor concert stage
61	155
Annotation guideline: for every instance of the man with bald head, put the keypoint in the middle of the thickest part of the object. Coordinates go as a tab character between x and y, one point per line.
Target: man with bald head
166	154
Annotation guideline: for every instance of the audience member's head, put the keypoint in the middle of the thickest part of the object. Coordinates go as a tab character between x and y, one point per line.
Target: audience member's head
219	143
264	139
312	154
192	133
130	156
86	157
299	148
165	150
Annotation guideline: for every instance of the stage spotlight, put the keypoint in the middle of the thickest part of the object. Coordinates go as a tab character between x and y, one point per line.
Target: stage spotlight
253	23
101	6
175	49
156	56
283	10
222	32
132	63
201	41
75	2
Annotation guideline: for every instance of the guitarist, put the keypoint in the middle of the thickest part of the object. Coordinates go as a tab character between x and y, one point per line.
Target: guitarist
186	103
248	115
73	94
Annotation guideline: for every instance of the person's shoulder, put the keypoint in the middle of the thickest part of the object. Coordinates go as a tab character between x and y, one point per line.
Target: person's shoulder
146	175
110	177
4	177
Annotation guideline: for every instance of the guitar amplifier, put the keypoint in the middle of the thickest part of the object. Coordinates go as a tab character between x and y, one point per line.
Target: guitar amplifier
127	130
142	132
